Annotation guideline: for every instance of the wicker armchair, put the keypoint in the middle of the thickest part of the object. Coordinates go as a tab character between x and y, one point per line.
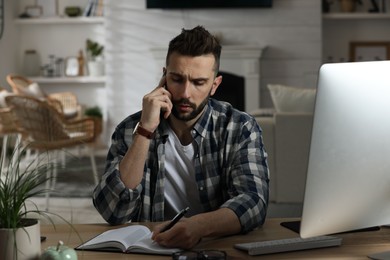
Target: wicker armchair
46	130
65	102
7	126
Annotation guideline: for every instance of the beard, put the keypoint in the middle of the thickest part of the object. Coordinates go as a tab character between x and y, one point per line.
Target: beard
196	110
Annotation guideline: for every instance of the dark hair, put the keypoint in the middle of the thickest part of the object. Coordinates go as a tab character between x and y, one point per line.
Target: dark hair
195	42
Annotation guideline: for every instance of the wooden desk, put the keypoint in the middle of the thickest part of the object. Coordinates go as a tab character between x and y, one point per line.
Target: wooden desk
354	246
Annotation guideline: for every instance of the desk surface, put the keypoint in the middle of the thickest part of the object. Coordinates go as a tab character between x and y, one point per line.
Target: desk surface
354	246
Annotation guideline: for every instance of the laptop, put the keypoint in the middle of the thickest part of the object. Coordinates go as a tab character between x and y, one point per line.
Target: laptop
348	176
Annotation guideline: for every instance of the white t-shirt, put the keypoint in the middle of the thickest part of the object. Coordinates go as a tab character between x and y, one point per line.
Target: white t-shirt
180	188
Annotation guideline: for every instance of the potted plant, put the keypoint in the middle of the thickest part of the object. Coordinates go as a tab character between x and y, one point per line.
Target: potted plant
19	229
95	58
94	111
97	115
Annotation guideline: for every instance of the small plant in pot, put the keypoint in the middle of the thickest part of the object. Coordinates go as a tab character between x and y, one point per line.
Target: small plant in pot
19	225
96	113
95	58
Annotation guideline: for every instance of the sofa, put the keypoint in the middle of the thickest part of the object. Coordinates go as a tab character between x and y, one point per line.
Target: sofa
286	136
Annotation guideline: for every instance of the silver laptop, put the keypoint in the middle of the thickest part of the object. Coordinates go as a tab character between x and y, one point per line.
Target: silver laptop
348	178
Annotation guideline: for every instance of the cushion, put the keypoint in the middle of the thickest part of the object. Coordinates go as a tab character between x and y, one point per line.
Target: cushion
3	94
69	112
263	112
33	90
292	99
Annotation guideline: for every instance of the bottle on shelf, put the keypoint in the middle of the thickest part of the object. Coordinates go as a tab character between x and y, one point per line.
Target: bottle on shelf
81	61
59	69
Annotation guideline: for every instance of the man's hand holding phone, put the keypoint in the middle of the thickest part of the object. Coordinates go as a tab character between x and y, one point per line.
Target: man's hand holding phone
153	104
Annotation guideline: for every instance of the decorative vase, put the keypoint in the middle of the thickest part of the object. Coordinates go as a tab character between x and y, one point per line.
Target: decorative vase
96	68
31	63
347	6
22	243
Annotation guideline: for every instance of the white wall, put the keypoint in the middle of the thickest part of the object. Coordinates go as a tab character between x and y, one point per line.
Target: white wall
7	44
291	29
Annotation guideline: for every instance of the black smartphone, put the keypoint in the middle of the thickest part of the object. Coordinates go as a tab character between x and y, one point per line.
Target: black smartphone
164	74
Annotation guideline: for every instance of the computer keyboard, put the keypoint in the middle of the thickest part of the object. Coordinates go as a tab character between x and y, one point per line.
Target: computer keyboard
288	244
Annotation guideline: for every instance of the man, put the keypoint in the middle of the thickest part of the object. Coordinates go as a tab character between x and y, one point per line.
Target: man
187	149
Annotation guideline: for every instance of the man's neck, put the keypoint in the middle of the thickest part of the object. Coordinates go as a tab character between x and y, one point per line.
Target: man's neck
182	129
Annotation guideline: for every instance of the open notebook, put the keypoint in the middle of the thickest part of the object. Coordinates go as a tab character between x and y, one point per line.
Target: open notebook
129	239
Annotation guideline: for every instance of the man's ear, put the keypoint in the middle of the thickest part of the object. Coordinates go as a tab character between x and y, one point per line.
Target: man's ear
216	83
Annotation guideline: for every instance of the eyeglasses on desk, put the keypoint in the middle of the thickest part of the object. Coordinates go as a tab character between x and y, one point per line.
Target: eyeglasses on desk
200	255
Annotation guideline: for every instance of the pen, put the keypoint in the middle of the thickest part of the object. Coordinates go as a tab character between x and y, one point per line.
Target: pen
175	219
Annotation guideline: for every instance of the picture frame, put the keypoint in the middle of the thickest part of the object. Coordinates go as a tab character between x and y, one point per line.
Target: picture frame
72	67
369	50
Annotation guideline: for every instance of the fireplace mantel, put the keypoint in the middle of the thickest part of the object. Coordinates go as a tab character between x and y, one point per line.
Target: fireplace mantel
242	60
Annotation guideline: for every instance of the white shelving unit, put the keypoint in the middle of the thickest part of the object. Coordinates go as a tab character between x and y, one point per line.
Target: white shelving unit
60	20
354	16
63	37
339	29
55	33
59	36
69	80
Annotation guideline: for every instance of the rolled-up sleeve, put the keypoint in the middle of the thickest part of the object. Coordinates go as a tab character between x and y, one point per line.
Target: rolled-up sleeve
248	178
116	203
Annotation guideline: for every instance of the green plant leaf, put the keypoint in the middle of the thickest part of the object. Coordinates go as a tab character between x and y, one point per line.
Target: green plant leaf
18	184
94	49
94	111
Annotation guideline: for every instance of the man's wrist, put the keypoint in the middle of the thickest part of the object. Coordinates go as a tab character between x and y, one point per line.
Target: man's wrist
143	131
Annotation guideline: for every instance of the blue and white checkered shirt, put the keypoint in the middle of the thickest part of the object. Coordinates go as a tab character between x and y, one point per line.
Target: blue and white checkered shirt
230	167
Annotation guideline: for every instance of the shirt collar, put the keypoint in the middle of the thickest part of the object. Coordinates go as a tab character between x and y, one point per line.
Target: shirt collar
201	124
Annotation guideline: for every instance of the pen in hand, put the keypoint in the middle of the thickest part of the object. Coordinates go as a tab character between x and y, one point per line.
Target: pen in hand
175	219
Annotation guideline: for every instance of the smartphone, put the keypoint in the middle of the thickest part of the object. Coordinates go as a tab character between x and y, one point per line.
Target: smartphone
164	74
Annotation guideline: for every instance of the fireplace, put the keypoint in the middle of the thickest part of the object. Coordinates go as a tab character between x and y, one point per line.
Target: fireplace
232	90
240	60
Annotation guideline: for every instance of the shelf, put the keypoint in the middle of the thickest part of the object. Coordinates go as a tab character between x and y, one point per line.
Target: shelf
61	20
68	80
351	16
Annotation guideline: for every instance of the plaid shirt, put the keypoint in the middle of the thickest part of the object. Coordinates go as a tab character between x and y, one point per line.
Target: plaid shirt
230	168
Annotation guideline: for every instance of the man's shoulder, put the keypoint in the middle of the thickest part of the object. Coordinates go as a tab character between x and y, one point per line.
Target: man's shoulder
225	111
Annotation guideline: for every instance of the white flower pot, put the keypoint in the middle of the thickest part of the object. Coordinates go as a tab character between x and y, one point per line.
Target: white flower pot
96	68
27	242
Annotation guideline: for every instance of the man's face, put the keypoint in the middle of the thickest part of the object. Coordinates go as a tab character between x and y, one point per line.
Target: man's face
191	81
